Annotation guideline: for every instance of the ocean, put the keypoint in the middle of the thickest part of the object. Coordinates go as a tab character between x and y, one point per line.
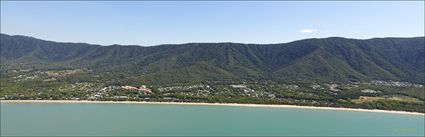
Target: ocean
85	119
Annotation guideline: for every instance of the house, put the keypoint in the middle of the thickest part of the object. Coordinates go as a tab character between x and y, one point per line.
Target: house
145	89
141	88
129	87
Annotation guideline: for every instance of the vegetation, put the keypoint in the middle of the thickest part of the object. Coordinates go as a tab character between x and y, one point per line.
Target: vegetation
385	73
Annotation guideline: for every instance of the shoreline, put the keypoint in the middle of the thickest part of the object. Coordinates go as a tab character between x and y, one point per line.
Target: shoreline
215	104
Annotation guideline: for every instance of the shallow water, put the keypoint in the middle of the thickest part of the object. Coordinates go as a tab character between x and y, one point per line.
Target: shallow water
74	119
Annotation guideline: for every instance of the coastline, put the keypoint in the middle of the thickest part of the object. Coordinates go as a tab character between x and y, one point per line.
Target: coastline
215	104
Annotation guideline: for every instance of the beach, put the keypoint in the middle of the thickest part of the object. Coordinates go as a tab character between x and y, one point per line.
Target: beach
214	104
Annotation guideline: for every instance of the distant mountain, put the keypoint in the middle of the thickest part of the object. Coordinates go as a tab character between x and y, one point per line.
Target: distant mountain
332	59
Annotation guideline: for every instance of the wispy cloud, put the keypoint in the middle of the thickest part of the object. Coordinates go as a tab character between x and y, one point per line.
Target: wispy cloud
308	30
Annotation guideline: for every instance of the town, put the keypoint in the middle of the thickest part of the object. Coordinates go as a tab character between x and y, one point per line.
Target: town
84	84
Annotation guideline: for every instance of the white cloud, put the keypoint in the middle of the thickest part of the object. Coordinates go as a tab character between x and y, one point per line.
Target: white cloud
308	30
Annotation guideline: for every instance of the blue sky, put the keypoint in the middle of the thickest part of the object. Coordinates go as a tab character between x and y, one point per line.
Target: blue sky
152	23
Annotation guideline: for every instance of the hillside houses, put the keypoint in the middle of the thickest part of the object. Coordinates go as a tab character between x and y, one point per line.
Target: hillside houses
140	88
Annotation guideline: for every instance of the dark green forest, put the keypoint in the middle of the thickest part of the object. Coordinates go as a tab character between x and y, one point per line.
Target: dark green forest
379	73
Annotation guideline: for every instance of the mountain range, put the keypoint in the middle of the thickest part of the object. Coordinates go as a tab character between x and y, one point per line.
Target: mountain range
333	59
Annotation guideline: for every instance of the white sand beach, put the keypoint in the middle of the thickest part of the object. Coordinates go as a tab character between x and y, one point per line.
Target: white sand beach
213	104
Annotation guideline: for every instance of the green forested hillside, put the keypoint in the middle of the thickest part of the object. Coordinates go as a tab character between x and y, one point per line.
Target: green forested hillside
321	60
380	73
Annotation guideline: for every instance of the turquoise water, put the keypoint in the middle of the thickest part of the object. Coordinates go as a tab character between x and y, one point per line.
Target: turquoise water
151	119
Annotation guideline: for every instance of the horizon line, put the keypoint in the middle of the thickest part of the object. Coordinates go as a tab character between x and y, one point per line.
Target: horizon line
213	42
